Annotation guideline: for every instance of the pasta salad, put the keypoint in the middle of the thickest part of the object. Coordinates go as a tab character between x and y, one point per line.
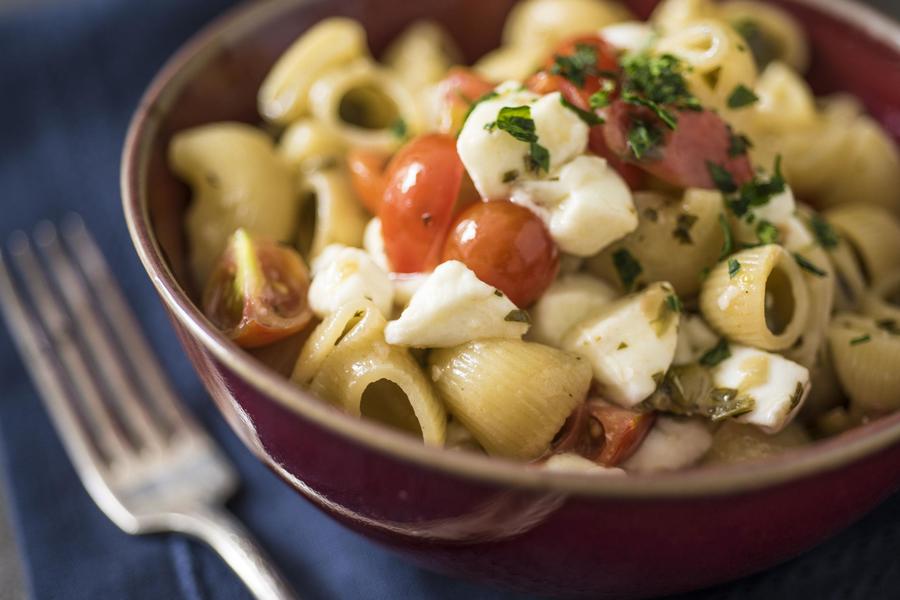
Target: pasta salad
609	245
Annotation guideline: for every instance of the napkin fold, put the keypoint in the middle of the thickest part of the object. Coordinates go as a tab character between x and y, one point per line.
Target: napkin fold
70	75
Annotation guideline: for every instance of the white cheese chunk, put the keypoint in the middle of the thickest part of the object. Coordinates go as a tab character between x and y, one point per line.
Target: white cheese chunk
341	274
695	338
452	307
569	462
566	302
630	36
586	209
373	242
494	158
673	444
779	386
630	344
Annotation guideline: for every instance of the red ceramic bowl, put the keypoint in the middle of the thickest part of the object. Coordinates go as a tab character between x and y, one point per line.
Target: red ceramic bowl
485	518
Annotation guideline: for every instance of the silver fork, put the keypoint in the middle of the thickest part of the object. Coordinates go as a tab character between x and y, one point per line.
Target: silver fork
142	458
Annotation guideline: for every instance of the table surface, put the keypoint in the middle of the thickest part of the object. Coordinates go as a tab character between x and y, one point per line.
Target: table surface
11	580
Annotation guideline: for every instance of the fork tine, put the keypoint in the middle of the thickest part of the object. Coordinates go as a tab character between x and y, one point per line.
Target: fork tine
110	362
113	304
47	375
59	329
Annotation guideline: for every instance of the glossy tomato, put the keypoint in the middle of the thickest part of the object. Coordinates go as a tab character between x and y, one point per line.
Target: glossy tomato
605	434
423	183
681	156
507	246
367	177
457	92
257	293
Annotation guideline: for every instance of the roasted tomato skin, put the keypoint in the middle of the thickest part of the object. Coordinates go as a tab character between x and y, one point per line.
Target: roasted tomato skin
257	293
681	159
507	246
367	176
606	434
423	184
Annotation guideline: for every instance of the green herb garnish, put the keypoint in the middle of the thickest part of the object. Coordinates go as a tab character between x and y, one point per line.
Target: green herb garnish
689	391
643	138
622	346
766	233
807	266
517	122
589	117
674	303
488	96
577	67
738	144
728	243
757	192
627	266
825	234
510	176
656	82
733	267
764	49
742	97
863	339
683	227
717	354
602	97
722	178
399	129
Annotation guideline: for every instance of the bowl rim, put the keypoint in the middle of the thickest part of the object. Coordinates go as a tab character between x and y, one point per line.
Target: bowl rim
814	459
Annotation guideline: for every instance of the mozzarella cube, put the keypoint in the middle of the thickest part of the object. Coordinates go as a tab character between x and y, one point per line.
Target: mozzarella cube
630	344
588	208
695	338
452	307
373	242
630	36
341	275
673	444
778	386
566	302
494	159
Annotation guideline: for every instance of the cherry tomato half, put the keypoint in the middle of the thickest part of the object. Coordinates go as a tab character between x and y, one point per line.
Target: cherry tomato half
605	434
367	177
257	293
683	156
423	183
507	246
458	91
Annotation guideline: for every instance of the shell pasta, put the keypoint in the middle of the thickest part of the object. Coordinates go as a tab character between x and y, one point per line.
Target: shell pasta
606	246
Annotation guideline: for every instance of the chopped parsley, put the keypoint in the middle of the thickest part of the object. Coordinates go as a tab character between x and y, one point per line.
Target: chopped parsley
824	232
717	354
589	117
728	243
601	98
757	192
690	391
622	346
518	316
863	339
742	97
510	176
721	178
764	49
399	129
738	144
628	267
517	122
683	227
656	82
729	403
733	267
766	233
578	66
488	96
643	138
674	303
498	293
807	266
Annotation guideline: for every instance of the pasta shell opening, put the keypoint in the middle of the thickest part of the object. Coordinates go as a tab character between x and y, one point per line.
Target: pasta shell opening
780	302
368	107
385	402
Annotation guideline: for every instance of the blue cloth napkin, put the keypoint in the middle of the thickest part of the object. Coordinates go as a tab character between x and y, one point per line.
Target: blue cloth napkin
70	75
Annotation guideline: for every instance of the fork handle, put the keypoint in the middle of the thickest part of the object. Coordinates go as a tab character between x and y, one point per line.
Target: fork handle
231	540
